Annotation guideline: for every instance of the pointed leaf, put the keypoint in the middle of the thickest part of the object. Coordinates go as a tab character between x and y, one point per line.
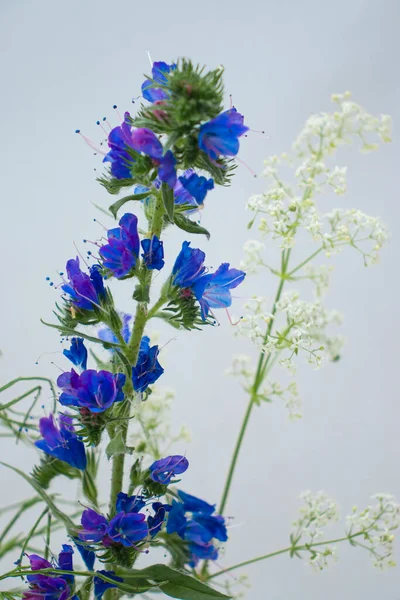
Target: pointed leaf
114	208
190	226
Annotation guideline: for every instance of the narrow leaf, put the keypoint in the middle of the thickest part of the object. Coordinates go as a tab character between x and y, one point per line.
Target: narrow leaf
114	208
168	200
190	226
59	514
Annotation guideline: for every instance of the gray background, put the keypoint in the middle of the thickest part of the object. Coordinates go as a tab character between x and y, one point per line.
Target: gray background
63	66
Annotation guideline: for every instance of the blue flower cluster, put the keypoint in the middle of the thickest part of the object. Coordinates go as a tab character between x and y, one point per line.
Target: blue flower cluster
60	587
199	528
61	442
212	290
121	253
130	526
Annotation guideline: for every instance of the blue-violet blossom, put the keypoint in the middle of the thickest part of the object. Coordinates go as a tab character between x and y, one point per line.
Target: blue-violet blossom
94	390
164	469
145	141
50	587
85	291
118	140
220	136
77	353
153	253
147	369
61	442
159	70
121	252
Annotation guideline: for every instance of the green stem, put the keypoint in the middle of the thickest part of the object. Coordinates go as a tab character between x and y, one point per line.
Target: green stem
284	551
132	351
307	260
258	378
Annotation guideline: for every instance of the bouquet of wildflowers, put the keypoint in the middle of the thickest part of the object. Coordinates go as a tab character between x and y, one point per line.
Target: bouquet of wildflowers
161	164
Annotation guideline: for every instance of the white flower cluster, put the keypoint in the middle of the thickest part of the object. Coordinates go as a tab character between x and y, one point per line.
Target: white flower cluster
152	434
285	208
318	511
371	529
375	527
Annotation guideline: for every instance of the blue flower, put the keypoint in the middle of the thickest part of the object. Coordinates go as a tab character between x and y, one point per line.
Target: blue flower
159	70
100	586
155	522
118	140
85	291
121	252
147	369
94	390
107	335
95	526
129	504
199	529
193	504
164	469
77	353
61	442
153	253
87	554
189	265
145	141
197	186
201	552
50	587
213	290
128	528
220	136
176	519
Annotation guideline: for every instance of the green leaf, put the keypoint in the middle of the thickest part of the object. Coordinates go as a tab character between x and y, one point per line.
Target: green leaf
168	200
114	208
117	446
190	226
59	514
173	583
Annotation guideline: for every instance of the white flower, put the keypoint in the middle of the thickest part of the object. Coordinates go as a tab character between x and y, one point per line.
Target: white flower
253	250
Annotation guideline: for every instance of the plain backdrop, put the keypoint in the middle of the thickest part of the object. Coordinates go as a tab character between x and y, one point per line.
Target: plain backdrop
63	66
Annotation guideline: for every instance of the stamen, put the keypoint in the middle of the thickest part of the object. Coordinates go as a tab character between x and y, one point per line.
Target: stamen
80	254
115	107
90	143
246	165
101	125
230	319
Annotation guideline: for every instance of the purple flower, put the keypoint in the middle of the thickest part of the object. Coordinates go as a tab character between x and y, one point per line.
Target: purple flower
50	587
107	335
159	70
95	526
176	519
214	525
128	528
94	390
201	552
164	469
189	265
129	504
153	253
118	140
77	353
121	252
100	586
144	140
61	442
85	291
197	186
87	554
147	369
213	290
220	136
